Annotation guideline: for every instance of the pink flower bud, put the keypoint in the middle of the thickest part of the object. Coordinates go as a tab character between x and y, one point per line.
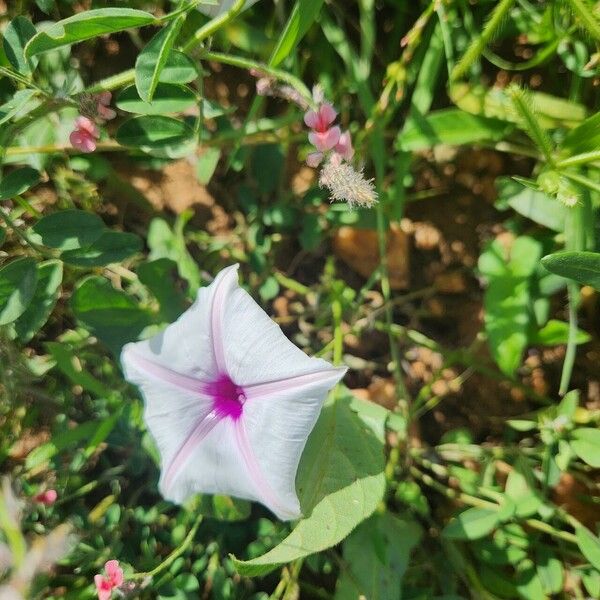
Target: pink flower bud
103	587
314	159
86	125
344	146
85	135
48	498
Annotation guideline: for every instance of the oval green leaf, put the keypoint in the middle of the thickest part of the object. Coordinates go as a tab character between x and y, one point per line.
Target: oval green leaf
168	98
585	442
589	544
340	483
472	524
110	247
16	35
583	267
86	25
17	287
156	133
178	69
68	229
18	182
46	294
152	59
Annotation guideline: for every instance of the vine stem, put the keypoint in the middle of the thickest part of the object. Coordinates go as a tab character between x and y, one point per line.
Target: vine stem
189	538
480	503
338	336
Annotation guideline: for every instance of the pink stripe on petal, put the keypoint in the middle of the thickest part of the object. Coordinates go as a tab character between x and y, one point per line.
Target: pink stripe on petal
216	318
269	388
202	428
263	488
166	375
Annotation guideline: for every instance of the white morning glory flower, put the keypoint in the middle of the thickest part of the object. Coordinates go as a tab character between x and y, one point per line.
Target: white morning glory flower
229	400
212	10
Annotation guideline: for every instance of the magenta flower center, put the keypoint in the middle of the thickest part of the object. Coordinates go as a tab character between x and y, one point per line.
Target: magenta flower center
228	398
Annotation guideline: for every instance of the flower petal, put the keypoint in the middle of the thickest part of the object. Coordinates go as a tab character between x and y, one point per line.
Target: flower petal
114	572
325	141
327	114
311	119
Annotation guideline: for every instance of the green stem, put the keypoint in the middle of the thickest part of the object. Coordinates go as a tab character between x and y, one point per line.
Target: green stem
587	18
583	180
338	336
291	284
579	159
245	63
213	25
189	538
18	231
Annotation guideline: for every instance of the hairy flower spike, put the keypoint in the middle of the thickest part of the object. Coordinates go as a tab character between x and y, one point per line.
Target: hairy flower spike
345	184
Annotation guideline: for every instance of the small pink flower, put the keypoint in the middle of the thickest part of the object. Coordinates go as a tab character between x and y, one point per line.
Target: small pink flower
103	587
314	159
48	498
104	112
114	578
85	135
321	119
344	146
114	572
326	140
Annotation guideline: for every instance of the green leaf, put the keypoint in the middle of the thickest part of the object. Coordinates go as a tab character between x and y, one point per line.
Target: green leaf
555	333
16	35
17	182
301	18
60	441
86	25
152	59
472	524
68	229
589	544
507	299
110	247
340	483
19	103
527	582
18	280
534	205
376	556
520	489
494	102
449	126
167	243
170	137
549	570
179	69
585	442
168	98
68	365
583	138
110	314
160	277
583	267
206	165
46	294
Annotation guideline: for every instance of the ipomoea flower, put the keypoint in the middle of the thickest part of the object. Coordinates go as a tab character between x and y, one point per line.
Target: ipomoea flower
229	400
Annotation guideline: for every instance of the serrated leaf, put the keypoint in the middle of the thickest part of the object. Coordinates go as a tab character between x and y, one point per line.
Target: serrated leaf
18	280
17	182
585	442
46	294
472	524
583	267
110	247
68	229
340	483
168	98
86	25
16	35
152	59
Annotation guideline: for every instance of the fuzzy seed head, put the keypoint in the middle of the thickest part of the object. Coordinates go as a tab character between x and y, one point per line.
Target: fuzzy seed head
346	184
